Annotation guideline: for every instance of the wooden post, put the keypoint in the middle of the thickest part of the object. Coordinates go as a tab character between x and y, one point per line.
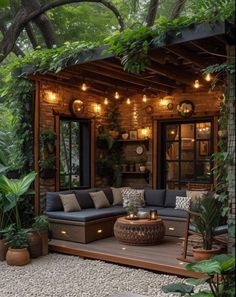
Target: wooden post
93	153
57	129
154	153
36	148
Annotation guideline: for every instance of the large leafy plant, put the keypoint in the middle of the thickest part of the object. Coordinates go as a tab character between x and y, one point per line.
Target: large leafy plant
207	218
13	191
220	272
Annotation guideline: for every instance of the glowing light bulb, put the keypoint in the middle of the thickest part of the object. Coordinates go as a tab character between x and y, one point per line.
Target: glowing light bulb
196	84
144	98
117	95
84	87
208	77
128	101
105	101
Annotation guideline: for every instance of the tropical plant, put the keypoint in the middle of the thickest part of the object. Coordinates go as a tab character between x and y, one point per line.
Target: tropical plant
13	190
207	218
104	141
220	271
40	223
16	238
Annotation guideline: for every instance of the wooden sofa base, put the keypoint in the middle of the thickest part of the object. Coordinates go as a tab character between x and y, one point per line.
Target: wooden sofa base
85	232
82	232
174	226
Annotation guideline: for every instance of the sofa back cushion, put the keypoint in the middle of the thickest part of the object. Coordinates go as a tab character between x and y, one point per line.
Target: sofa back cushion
84	199
69	202
99	199
171	197
108	193
53	200
154	197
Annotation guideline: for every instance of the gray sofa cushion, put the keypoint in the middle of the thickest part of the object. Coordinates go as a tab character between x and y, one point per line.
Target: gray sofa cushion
166	212
84	199
88	214
171	212
154	197
171	197
108	193
53	200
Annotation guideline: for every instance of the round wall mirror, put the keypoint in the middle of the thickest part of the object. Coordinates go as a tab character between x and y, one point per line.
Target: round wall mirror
77	107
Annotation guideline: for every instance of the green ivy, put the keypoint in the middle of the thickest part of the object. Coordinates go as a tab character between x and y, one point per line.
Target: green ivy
133	44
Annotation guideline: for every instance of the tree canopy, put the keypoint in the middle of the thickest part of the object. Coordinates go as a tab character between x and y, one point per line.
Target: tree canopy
27	25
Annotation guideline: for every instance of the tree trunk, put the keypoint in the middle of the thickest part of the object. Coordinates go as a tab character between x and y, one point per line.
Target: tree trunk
42	22
16	50
22	18
178	8
152	11
31	36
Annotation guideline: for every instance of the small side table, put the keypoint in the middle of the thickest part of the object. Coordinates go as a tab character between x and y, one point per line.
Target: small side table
139	232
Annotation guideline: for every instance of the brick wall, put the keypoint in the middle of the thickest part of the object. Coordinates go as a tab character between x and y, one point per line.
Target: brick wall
132	116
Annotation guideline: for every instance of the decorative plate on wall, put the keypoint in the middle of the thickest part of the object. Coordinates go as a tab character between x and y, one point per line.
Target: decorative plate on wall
185	108
139	150
149	109
77	106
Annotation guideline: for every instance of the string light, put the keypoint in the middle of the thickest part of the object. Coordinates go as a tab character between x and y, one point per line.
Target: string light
144	98
106	101
84	87
117	95
128	101
196	84
208	77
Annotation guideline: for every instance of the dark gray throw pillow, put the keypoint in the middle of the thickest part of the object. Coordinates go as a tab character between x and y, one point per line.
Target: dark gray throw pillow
154	197
171	197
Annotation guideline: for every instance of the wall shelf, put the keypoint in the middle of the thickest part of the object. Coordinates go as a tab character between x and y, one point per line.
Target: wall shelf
128	141
137	173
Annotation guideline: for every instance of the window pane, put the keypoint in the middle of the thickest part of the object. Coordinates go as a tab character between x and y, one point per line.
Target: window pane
172	169
172	132
203	150
75	148
203	171
64	181
203	130
187	131
172	150
187	170
64	147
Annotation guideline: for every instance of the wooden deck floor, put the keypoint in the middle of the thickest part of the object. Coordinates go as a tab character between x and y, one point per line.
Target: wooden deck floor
161	258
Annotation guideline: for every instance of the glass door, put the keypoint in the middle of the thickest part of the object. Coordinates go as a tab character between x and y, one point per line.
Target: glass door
186	153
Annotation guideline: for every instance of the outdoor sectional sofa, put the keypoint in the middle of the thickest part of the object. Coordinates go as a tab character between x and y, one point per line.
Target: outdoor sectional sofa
92	224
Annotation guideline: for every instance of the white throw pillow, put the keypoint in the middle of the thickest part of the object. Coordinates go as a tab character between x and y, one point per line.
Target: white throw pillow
133	198
182	202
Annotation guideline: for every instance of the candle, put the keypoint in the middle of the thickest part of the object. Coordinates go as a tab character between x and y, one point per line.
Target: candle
153	214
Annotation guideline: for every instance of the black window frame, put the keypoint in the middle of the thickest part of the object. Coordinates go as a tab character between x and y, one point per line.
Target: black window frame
162	181
82	168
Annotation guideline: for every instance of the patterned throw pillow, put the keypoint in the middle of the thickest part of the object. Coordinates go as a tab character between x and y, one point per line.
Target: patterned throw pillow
182	202
133	198
117	195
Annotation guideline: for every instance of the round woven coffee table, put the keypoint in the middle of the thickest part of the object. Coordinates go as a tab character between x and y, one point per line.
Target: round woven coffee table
139	232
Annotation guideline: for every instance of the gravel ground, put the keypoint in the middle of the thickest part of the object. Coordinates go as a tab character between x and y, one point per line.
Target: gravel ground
68	276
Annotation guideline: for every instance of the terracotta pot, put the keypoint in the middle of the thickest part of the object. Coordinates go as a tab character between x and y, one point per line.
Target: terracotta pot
142	168
200	254
3	249
17	257
44	238
35	244
125	136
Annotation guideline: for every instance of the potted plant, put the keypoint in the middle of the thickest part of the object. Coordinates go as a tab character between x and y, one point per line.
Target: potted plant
141	164
207	218
48	167
18	241
41	227
219	280
104	141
